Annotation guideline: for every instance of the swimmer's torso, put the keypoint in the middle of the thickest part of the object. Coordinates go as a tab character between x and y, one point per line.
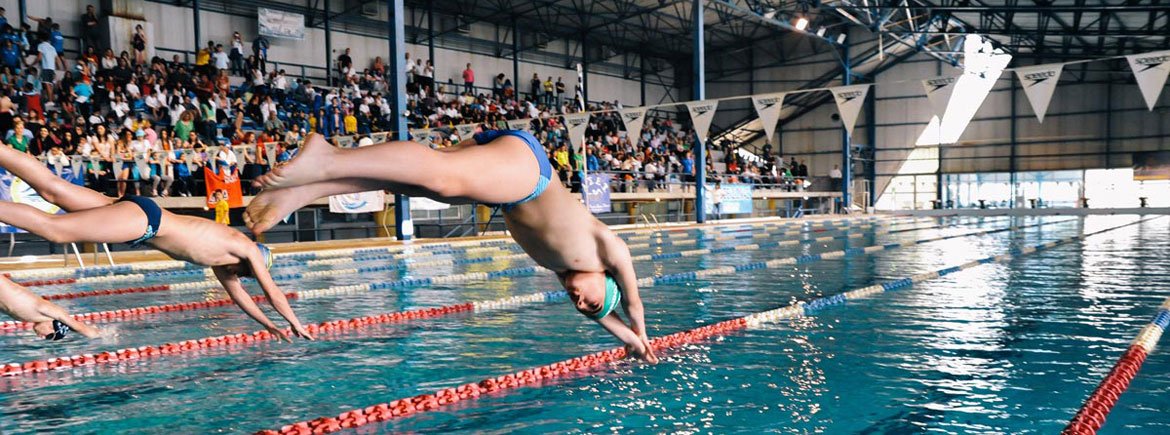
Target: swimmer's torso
557	231
197	240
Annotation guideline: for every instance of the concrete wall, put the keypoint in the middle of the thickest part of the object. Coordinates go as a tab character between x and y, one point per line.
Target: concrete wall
174	31
1088	125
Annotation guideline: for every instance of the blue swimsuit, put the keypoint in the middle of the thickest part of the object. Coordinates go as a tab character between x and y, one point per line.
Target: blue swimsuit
537	150
153	218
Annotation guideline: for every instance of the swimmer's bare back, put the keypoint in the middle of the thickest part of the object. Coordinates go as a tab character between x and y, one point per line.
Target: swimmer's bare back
198	240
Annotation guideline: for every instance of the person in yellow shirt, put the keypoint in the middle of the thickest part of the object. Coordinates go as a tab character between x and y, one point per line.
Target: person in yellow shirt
202	57
222	208
548	92
350	123
561	157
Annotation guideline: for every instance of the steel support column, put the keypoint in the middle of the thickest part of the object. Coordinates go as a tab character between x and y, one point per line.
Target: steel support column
584	71
194	21
699	92
403	225
751	81
846	135
1108	125
516	58
431	39
22	7
328	46
1013	181
870	164
642	77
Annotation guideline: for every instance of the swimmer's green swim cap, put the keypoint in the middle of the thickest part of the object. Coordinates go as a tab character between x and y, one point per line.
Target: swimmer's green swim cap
267	255
613	295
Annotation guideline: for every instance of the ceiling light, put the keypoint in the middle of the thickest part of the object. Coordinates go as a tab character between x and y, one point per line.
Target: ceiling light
770	14
841	38
801	23
821	32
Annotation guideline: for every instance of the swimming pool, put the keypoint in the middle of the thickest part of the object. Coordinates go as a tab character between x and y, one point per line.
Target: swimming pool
1011	347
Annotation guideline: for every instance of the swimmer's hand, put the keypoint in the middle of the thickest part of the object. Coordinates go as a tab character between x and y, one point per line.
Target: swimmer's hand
279	333
300	331
642	350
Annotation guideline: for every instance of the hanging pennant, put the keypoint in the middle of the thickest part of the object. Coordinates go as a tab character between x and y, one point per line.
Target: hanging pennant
520	124
1039	84
422	136
270	153
702	112
142	165
465	131
76	163
577	123
1150	70
768	107
938	92
212	154
633	119
849	102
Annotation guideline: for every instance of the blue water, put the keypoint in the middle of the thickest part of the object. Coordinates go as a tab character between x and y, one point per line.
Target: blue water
1001	348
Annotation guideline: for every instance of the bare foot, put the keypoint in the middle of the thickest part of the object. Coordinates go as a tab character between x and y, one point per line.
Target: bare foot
273	205
307	167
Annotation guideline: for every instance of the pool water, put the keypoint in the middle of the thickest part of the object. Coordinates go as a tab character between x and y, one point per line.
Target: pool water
1000	348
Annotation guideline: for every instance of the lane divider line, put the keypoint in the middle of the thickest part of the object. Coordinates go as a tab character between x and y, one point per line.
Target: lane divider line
1091	416
432	401
51	276
411	262
38	366
129	313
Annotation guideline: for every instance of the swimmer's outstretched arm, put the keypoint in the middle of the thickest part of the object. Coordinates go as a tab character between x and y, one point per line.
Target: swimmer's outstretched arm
275	296
51	310
619	264
235	290
23	305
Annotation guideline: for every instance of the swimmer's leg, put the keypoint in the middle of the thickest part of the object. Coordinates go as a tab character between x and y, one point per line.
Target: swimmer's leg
504	171
115	223
273	205
54	189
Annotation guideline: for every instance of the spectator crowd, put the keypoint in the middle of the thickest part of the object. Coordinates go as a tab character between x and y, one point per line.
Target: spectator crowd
148	125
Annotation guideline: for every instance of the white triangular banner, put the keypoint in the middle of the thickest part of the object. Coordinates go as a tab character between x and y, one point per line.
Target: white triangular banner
360	202
577	123
212	152
465	131
1039	84
702	112
143	167
422	136
75	162
938	92
1150	70
634	119
849	102
270	152
520	124
768	107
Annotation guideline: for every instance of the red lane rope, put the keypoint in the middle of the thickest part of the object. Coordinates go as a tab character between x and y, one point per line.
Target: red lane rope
111	357
108	292
1092	414
127	313
44	282
448	396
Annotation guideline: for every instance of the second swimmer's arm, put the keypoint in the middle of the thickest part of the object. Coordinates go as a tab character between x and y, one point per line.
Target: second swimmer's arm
231	283
275	296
